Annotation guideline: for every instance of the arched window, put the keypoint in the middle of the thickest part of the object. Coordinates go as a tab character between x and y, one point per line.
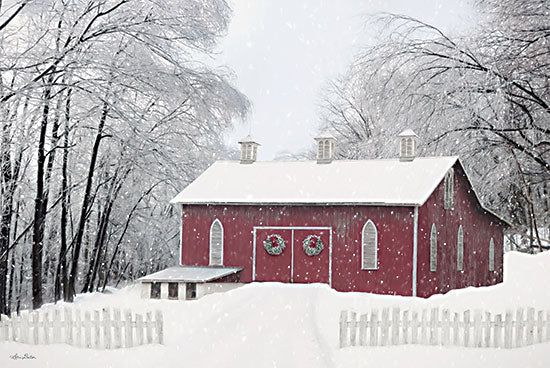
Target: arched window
369	247
460	249
216	243
449	200
327	149
491	255
433	249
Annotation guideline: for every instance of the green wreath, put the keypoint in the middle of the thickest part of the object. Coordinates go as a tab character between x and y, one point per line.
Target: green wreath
274	244
313	245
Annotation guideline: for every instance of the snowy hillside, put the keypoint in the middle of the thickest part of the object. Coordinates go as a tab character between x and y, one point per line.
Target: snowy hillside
275	325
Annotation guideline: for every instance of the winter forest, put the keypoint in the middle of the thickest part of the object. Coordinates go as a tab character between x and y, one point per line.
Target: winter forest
108	108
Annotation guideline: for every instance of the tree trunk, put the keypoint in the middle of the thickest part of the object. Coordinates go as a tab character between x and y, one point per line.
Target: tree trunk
85	203
61	271
39	215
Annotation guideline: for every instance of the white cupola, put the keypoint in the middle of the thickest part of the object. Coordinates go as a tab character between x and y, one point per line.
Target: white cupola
249	149
325	148
407	146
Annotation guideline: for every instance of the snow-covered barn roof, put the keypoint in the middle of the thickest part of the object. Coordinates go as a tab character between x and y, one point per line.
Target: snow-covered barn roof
375	182
190	274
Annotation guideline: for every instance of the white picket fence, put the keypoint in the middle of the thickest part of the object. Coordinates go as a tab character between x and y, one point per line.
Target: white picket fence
88	329
441	327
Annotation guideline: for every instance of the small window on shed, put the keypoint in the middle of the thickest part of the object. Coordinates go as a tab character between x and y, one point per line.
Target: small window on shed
369	247
492	255
216	243
449	190
460	249
172	290
155	290
191	290
433	249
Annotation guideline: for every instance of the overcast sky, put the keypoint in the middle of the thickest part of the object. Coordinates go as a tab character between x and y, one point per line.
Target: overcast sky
283	52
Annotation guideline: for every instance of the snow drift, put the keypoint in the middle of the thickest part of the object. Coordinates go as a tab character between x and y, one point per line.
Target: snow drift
279	325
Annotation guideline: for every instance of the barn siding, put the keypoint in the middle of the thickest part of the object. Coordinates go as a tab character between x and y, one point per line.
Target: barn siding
478	226
395	239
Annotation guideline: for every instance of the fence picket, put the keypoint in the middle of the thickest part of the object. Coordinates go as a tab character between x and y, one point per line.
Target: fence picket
149	327
395	324
46	327
373	338
487	324
414	327
3	328
97	327
405	325
24	327
434	319
540	325
497	335
14	322
78	325
116	328
160	327
56	326
35	324
466	323
87	329
423	327
519	327
343	328
352	329
139	329
106	328
445	327
530	330
547	338
128	324
384	327
68	326
363	330
456	328
477	329
508	326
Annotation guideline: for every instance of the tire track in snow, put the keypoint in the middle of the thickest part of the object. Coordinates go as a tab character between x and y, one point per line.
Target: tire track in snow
324	347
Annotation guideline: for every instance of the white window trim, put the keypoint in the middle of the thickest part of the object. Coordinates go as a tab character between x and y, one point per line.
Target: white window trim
433	249
363	267
491	255
210	244
449	200
460	249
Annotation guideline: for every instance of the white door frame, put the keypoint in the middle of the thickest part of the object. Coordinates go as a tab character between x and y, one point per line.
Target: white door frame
292	228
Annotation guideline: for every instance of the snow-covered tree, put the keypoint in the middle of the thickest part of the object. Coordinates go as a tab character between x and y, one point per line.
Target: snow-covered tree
109	104
484	96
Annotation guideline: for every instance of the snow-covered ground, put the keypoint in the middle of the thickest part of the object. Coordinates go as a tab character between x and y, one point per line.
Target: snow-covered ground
276	325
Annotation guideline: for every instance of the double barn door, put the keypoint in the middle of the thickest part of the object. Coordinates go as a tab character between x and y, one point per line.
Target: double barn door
293	264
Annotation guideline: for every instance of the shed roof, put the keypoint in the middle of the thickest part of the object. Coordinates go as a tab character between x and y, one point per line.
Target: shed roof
190	274
375	182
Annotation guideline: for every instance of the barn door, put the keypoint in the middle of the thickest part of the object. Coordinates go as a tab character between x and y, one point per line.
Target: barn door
304	259
311	263
273	267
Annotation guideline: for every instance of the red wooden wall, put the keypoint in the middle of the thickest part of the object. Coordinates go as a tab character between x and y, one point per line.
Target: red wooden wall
478	227
394	225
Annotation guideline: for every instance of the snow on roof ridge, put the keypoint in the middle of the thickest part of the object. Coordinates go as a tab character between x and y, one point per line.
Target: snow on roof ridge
368	182
342	160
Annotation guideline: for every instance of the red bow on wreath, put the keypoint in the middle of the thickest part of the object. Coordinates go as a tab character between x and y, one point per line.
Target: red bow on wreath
313	242
274	241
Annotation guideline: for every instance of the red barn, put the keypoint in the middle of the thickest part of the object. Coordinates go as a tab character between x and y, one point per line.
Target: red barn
407	226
